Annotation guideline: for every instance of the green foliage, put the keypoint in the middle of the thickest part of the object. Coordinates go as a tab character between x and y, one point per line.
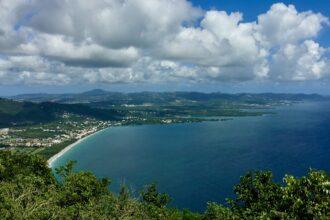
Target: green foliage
256	193
216	211
66	170
29	190
14	165
258	197
307	197
151	196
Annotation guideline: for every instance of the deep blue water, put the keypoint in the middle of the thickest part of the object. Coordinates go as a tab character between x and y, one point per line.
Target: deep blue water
200	162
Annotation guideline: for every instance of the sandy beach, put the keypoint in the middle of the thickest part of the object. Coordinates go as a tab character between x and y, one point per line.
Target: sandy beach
51	160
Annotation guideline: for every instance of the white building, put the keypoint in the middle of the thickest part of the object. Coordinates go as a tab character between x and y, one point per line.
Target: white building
4	131
56	141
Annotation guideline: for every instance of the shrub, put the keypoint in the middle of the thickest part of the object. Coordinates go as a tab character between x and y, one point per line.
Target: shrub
29	190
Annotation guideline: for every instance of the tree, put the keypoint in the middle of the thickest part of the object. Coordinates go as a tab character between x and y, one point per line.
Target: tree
151	196
29	190
258	197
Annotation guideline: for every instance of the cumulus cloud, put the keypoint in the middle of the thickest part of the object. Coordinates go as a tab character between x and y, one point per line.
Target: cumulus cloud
111	41
299	62
87	54
114	23
222	43
284	24
9	39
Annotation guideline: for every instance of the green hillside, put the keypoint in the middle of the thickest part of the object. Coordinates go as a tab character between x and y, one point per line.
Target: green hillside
15	113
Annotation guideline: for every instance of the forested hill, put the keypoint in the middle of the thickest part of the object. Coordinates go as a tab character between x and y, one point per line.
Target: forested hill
24	113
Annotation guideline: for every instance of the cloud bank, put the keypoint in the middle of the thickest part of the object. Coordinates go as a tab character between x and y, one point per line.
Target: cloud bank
57	42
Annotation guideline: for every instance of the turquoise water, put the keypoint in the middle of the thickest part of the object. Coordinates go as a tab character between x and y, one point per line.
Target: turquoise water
201	162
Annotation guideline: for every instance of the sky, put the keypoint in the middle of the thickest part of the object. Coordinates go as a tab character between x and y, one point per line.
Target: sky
59	46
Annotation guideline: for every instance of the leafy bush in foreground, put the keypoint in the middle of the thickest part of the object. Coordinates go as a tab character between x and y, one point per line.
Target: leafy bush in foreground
28	190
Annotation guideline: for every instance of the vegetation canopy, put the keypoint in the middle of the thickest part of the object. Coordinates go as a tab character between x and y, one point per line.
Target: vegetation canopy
29	190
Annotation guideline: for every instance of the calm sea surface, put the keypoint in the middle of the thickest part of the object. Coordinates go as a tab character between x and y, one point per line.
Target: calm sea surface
201	162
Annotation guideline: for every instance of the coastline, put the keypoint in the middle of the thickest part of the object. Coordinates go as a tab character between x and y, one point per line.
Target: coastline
56	156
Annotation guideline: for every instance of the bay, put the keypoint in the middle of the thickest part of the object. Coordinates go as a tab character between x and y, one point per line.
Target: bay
199	162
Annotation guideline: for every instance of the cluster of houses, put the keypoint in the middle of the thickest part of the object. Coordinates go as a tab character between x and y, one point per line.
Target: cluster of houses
4	131
12	138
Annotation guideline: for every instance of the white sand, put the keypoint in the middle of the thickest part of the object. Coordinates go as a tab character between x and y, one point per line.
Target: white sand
51	160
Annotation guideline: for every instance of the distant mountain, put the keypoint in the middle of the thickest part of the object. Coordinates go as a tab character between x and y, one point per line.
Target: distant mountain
115	98
95	92
22	113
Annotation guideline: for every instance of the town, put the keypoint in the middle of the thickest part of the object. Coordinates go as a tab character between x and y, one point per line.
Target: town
71	127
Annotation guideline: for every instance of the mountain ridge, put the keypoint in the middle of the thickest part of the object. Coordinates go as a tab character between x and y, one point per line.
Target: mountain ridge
103	95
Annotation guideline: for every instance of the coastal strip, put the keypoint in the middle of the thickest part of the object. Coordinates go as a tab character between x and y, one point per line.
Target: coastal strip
51	160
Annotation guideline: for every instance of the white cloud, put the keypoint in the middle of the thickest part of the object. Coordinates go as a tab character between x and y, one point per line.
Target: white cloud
221	41
110	41
288	34
283	24
299	62
85	53
113	23
8	17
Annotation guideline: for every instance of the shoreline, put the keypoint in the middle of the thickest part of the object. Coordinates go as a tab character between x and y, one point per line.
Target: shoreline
56	156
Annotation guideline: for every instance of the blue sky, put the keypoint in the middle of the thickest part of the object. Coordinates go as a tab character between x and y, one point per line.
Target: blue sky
252	8
197	45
